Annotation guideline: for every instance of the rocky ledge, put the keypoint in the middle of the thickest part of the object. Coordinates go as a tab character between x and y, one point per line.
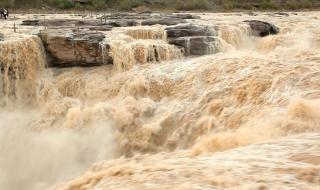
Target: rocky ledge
67	48
261	28
78	42
194	39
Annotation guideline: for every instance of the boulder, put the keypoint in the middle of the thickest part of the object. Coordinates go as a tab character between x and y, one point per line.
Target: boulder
66	48
31	22
189	30
194	39
197	45
261	28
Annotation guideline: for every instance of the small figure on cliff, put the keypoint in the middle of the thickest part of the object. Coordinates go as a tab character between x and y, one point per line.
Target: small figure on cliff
4	13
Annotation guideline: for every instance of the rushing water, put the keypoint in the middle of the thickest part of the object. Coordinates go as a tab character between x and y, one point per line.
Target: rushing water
244	118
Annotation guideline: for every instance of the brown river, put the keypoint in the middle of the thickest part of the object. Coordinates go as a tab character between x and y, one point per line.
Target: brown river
245	117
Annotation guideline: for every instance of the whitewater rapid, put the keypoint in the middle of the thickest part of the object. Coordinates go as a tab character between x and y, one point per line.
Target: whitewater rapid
246	117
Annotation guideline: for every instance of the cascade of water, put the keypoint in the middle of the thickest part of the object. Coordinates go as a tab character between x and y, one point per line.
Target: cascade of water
147	32
187	46
125	55
141	45
105	51
22	61
238	36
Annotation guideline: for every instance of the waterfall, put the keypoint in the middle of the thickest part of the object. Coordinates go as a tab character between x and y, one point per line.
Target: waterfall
147	32
22	62
235	36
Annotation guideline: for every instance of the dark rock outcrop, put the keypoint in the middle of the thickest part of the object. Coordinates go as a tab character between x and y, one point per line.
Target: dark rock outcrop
31	23
197	45
194	39
261	28
66	48
189	30
121	23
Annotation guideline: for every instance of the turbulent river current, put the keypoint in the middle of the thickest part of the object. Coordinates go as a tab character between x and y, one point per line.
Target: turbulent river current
244	116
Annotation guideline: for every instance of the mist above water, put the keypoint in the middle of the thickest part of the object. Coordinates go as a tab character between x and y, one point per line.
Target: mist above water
35	159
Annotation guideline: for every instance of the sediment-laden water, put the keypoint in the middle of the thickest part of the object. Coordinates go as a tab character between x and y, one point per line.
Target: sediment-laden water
245	116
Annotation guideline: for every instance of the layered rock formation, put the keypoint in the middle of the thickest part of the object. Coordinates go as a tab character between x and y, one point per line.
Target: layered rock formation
73	42
262	29
66	48
194	39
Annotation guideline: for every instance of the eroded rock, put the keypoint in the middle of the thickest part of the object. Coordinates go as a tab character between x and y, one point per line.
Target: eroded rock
197	45
66	48
261	28
194	39
189	30
121	23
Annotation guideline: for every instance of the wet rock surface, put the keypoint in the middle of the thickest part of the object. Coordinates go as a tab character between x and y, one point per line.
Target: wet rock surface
189	30
194	39
66	48
197	45
261	28
121	23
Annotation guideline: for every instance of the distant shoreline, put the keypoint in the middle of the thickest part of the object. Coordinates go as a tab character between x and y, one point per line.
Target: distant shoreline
75	11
